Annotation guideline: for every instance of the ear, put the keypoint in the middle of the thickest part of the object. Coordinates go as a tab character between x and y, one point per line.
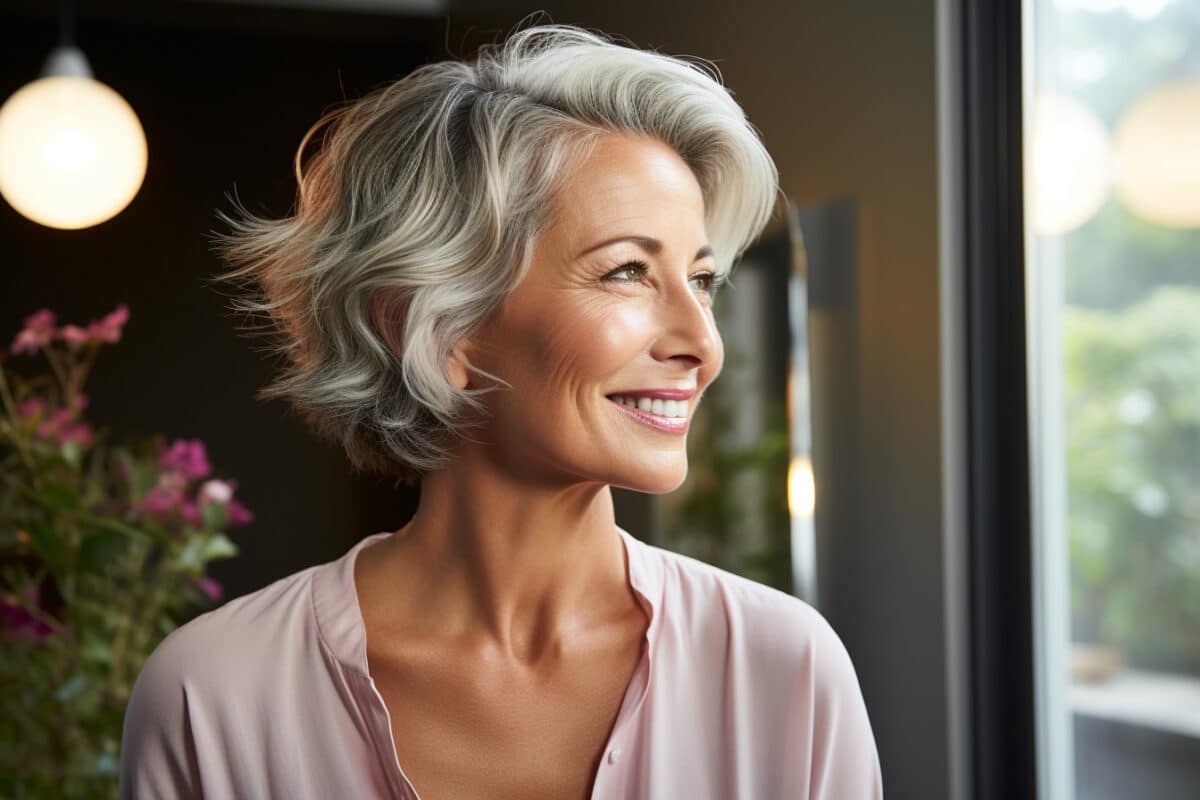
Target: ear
456	366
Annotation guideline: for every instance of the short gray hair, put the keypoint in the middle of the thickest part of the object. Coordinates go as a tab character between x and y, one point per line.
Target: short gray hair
432	190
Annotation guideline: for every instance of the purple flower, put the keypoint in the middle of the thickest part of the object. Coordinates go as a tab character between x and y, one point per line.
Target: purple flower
238	513
190	512
187	458
78	432
165	498
31	407
108	329
216	492
17	622
211	587
74	335
61	425
37	333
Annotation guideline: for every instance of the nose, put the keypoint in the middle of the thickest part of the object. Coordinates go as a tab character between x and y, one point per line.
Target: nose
688	331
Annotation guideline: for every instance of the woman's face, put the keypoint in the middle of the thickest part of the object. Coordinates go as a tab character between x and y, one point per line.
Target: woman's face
598	315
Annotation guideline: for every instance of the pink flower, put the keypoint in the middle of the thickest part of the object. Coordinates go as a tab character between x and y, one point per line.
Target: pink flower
238	513
31	407
215	491
17	622
186	457
220	493
37	333
165	498
73	334
108	329
78	432
61	424
190	512
211	587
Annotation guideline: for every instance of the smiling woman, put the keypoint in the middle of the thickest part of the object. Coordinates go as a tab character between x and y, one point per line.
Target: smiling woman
498	283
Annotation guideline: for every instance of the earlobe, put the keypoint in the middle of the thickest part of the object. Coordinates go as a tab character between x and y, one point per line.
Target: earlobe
457	368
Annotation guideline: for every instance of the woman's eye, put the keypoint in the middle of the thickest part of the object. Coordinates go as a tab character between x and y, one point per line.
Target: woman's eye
632	266
714	282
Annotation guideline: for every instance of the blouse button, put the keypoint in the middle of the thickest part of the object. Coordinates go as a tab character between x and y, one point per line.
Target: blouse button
613	755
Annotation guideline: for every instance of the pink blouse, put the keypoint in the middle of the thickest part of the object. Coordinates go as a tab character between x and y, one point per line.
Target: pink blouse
743	691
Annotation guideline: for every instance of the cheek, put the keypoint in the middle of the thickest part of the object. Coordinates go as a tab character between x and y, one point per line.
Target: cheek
581	345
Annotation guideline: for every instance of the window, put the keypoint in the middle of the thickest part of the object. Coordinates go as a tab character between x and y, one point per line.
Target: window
1112	220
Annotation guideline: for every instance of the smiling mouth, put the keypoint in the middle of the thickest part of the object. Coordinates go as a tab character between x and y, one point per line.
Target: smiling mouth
653	405
658	421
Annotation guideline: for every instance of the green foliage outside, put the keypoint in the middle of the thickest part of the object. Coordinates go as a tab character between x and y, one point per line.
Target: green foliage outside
1133	419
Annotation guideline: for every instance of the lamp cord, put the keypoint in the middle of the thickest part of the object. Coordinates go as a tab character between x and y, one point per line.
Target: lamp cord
66	23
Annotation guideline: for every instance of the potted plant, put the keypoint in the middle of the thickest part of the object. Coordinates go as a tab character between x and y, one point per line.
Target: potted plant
103	550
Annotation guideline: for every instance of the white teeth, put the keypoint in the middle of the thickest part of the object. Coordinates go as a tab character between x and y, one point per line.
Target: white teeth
655	405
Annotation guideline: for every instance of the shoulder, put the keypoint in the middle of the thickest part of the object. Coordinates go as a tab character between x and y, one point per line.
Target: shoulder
219	658
236	635
706	595
786	664
221	651
786	646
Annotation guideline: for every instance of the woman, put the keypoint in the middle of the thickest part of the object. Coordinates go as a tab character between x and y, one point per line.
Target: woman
498	284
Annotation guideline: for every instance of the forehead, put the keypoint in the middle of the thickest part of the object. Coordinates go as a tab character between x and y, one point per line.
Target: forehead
628	181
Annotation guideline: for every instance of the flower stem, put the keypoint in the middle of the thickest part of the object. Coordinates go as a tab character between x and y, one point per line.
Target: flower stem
11	409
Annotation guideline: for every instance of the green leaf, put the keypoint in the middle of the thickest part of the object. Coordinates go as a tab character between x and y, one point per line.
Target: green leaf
214	515
72	453
97	650
116	526
219	546
45	543
202	548
71	688
61	495
100	550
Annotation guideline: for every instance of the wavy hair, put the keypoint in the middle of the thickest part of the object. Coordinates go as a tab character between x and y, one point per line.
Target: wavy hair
430	192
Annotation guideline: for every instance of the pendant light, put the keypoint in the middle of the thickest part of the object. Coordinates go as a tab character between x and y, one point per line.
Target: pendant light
72	151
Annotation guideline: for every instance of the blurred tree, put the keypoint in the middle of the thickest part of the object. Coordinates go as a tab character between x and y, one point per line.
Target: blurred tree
1133	420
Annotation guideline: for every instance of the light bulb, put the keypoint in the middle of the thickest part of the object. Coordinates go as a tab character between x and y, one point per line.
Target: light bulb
1157	142
1070	170
802	489
72	152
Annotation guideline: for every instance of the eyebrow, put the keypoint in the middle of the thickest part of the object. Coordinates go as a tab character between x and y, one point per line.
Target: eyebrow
648	243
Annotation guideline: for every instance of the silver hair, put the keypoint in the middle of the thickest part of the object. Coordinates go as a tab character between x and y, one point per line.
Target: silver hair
431	191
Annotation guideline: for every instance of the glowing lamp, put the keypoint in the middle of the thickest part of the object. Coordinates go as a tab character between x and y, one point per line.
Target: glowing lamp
802	489
1157	146
1070	167
72	152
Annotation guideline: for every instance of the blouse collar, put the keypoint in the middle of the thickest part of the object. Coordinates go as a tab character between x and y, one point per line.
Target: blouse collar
339	618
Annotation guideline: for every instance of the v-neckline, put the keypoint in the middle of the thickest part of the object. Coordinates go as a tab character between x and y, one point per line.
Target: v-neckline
352	635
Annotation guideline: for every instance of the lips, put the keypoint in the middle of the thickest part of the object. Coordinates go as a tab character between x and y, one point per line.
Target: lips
660	394
676	425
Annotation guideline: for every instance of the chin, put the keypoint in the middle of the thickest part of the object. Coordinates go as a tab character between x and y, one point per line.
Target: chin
661	483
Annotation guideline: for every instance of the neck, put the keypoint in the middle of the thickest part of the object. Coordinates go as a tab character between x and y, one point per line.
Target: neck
516	568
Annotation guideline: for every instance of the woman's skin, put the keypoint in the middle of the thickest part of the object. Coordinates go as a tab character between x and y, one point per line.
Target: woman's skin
501	627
